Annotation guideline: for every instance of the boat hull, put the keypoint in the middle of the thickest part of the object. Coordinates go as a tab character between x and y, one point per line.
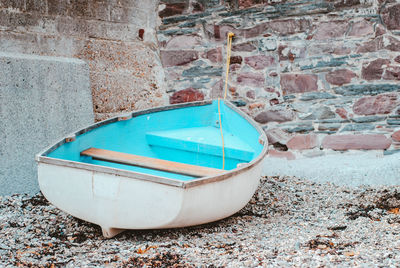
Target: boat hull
119	199
116	202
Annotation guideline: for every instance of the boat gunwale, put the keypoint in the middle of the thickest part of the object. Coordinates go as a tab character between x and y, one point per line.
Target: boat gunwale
43	158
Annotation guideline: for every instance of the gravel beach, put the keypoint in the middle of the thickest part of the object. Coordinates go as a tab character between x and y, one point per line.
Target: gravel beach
342	168
289	222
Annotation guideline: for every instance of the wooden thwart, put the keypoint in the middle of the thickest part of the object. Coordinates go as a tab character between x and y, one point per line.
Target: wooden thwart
152	163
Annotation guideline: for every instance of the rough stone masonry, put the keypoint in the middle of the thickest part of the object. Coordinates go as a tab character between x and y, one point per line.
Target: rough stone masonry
318	75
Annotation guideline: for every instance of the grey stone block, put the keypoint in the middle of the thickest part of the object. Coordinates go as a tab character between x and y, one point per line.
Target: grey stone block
368	119
393	121
366	89
202	71
358	127
316	96
41	100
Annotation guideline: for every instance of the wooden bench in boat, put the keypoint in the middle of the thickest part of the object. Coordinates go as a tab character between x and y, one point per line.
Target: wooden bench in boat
151	163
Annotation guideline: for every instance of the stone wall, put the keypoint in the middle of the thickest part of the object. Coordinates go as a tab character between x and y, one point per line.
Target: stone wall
116	38
318	75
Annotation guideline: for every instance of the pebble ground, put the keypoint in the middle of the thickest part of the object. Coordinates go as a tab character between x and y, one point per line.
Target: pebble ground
290	222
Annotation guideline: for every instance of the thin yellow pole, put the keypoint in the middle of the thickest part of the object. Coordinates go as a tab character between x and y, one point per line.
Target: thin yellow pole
228	62
222	135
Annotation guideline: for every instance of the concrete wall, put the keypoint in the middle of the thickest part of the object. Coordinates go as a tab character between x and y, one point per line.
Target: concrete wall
116	39
41	99
318	75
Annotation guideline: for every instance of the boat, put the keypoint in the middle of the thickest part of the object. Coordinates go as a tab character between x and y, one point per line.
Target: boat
167	167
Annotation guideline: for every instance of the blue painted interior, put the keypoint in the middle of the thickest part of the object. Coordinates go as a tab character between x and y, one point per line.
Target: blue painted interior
204	140
188	135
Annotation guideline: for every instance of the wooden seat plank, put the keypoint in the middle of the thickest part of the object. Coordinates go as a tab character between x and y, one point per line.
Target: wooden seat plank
151	163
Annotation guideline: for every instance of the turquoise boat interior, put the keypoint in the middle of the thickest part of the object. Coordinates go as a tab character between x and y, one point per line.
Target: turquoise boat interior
189	135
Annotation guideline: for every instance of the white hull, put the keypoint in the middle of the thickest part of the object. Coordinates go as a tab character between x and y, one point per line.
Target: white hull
117	202
118	199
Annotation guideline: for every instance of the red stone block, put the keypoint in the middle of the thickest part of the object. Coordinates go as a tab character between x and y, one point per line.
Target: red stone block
380	42
303	142
234	67
330	30
374	69
255	31
214	55
251	79
281	154
249	3
256	106
380	104
217	33
197	7
273	102
183	42
298	83
356	142
341	112
396	136
361	28
259	62
251	94
277	135
172	9
392	73
223	31
232	90
281	27
379	30
236	60
245	47
392	43
177	57
275	115
342	50
371	46
391	16
289	26
186	95
340	77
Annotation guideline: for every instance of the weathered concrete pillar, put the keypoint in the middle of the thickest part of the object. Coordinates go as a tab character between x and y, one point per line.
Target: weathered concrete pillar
41	100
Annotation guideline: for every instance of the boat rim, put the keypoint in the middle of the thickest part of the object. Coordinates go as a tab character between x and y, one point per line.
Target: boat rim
43	158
